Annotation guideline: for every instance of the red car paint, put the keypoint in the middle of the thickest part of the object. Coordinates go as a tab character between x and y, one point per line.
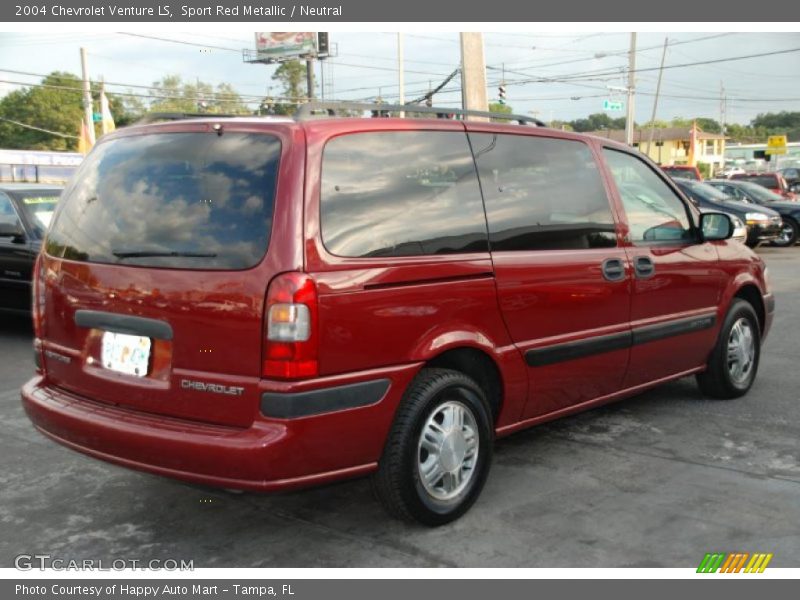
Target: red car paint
774	182
377	319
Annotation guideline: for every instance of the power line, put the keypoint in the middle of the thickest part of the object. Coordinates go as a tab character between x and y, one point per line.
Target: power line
185	43
26	126
602	72
625	52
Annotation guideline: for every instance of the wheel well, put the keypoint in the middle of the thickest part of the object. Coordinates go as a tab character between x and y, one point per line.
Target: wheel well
479	366
751	294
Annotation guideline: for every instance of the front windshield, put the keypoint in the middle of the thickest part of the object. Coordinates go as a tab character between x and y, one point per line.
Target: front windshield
39	206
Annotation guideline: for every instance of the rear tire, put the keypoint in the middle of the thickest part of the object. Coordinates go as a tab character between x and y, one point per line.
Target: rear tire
789	234
733	364
439	450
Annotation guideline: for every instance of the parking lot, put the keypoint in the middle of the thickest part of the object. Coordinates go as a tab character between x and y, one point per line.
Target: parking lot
657	480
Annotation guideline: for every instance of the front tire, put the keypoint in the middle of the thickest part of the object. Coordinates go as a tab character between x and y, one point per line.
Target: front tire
439	450
789	234
733	363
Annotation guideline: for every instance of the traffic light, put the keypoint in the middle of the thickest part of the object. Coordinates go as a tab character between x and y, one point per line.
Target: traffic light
501	93
322	42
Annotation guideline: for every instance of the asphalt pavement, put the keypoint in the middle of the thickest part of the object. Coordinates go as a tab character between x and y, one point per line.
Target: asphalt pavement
654	481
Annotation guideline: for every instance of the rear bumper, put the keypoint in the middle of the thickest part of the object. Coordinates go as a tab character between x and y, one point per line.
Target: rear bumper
272	454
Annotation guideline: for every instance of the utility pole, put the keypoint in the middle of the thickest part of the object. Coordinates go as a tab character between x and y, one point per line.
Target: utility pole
655	102
322	79
87	98
310	78
629	124
400	80
473	73
723	107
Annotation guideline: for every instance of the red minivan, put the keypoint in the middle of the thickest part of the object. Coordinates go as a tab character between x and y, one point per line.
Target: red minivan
272	303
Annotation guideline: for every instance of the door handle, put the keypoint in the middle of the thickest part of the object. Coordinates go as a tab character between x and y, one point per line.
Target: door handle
643	267
613	269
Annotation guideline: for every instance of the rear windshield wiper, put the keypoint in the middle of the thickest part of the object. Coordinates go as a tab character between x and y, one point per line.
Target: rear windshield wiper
158	254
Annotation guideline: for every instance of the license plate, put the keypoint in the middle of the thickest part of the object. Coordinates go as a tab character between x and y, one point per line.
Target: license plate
129	354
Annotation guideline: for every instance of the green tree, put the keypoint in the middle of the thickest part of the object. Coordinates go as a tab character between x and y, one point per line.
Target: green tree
781	120
709	125
496	107
172	94
597	122
54	105
126	108
658	124
292	77
563	125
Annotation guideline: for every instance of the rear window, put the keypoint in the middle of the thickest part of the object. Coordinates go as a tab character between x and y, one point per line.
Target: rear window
678	172
39	206
767	181
177	200
404	193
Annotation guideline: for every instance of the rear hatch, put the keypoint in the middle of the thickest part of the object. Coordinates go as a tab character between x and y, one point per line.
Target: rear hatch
154	277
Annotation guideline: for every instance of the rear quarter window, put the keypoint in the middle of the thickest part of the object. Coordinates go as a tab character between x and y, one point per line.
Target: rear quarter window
401	193
177	200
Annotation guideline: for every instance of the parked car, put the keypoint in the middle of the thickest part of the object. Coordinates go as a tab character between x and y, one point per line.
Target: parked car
271	303
763	224
25	211
792	177
728	171
746	191
683	171
739	229
772	181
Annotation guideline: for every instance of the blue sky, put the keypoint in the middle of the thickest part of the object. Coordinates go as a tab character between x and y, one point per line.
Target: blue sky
366	66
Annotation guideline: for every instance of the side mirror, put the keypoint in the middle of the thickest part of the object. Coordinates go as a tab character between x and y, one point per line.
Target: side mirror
12	230
715	226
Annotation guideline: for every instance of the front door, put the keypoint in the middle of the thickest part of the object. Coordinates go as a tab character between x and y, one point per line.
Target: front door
677	281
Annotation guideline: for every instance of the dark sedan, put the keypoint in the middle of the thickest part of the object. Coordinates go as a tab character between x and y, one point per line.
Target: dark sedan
25	212
763	224
753	193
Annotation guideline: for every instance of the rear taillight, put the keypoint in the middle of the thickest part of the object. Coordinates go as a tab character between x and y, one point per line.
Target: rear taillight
290	328
37	310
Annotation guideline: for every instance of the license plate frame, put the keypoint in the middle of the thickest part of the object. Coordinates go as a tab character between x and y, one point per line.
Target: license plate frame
125	353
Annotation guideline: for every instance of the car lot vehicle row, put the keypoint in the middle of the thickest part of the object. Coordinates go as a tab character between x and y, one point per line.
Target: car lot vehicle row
25	213
763	223
265	304
752	193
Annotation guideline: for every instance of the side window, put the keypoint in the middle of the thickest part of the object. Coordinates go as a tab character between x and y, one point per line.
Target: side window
8	216
734	192
402	193
655	213
542	193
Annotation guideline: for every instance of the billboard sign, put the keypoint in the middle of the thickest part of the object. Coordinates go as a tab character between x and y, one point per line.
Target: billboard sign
282	44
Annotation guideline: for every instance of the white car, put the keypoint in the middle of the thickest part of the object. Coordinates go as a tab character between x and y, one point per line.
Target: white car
726	173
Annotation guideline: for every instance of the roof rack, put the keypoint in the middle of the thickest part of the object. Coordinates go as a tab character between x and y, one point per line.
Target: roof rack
179	116
316	110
